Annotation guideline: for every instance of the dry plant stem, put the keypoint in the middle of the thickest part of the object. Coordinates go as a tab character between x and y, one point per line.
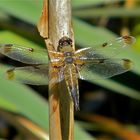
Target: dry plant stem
43	22
129	4
60	103
61	106
26	128
111	126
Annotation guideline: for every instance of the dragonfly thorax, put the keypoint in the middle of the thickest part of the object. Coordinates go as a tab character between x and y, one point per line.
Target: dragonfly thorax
69	60
68	57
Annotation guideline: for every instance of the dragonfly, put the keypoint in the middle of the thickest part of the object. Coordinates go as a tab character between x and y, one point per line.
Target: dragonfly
70	64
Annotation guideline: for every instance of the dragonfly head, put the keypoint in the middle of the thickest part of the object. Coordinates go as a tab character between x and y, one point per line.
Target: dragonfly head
65	44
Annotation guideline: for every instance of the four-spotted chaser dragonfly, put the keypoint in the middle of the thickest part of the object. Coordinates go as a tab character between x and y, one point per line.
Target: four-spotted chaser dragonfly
71	64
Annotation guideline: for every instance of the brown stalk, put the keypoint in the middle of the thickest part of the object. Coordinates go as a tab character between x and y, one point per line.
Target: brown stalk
25	127
111	126
129	4
54	24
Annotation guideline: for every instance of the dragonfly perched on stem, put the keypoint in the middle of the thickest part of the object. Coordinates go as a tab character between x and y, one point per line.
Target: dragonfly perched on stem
71	64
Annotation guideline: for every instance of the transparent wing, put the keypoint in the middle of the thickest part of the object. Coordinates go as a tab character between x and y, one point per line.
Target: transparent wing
104	68
56	56
107	49
24	54
33	75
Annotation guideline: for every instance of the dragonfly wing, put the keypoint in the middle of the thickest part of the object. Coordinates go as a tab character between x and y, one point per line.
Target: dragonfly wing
34	75
24	54
104	68
56	58
107	49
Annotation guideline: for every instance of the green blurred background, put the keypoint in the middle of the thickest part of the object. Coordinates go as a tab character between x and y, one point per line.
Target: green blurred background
109	108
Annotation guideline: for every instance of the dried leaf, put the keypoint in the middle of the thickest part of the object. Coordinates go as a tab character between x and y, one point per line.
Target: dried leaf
43	22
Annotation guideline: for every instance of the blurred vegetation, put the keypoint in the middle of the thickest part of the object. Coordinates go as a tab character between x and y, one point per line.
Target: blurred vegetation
109	108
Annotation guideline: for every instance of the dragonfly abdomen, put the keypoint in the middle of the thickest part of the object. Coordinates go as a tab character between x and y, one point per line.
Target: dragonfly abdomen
70	74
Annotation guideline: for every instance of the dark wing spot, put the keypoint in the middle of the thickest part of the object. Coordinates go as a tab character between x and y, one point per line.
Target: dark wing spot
31	49
127	63
128	39
104	44
7	48
10	74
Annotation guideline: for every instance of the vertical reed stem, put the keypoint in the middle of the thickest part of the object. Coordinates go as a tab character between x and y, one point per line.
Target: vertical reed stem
58	20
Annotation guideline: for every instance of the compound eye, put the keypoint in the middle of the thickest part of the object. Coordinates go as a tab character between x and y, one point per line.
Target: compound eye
65	41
